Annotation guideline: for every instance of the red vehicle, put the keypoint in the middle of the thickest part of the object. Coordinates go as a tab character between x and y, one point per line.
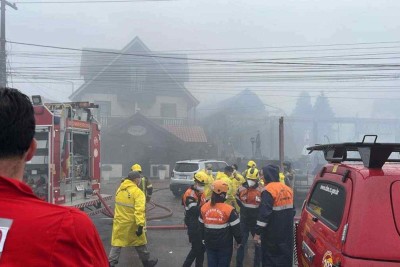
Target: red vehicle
66	167
351	216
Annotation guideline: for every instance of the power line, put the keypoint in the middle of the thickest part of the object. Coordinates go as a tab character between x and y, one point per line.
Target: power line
89	2
260	61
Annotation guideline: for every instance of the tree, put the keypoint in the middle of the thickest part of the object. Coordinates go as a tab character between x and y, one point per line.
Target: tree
303	106
323	129
322	107
298	130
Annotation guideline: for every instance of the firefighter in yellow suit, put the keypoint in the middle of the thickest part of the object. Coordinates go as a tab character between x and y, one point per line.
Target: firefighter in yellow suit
208	182
145	184
227	177
129	221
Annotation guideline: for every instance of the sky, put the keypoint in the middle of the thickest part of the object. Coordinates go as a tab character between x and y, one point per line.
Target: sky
219	29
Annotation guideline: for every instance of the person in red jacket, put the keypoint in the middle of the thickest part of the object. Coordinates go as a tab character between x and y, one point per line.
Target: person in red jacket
32	231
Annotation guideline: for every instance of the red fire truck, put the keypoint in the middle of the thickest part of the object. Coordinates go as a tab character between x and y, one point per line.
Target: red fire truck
66	167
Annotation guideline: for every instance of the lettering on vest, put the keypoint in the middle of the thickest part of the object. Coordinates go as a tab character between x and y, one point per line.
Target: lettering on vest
210	215
283	195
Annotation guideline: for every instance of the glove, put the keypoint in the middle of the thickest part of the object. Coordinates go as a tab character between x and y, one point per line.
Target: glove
139	231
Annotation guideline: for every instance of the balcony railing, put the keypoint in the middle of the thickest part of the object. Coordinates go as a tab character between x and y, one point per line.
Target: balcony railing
170	121
112	120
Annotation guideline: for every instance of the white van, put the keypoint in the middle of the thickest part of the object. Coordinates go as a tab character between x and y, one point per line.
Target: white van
184	171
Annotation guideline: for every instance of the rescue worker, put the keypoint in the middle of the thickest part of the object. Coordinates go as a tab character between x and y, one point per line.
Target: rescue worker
226	176
219	223
210	179
248	198
32	231
275	221
251	169
129	221
146	185
192	200
238	179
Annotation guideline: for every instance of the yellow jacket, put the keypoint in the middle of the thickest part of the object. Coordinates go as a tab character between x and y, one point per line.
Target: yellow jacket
230	196
237	181
129	212
208	183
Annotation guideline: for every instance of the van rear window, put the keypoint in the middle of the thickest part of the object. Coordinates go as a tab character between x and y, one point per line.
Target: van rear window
327	203
186	167
217	166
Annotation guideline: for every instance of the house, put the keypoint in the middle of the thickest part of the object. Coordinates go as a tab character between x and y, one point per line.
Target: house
238	125
147	114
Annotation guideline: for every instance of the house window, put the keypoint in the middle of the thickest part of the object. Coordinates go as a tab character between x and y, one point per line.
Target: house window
168	110
138	76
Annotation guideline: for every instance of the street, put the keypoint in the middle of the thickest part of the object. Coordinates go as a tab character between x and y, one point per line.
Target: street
169	246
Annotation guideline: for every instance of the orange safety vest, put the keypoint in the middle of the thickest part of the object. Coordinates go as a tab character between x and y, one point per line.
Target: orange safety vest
282	195
250	197
217	216
192	193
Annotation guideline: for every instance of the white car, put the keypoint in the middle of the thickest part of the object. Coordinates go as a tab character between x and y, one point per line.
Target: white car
184	171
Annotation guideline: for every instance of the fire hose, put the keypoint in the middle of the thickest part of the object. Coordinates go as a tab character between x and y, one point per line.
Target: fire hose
151	205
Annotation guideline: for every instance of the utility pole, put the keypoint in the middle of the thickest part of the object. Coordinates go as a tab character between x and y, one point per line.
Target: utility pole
281	144
3	55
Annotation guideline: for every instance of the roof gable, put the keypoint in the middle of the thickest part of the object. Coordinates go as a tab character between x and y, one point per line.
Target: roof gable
93	65
124	127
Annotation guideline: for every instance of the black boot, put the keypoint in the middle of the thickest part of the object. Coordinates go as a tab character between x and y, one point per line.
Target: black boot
150	263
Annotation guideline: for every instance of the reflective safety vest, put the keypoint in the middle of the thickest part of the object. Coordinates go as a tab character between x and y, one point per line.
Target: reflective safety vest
217	216
282	195
219	224
192	200
197	199
146	186
250	197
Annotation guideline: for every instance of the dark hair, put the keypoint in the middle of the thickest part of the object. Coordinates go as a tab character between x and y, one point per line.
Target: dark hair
235	166
17	123
134	175
217	198
228	169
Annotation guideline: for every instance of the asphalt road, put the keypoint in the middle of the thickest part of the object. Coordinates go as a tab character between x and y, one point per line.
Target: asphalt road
169	246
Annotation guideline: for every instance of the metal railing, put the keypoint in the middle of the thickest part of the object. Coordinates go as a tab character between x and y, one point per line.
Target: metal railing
107	121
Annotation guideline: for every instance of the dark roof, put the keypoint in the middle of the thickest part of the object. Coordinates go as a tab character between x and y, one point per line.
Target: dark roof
141	119
94	64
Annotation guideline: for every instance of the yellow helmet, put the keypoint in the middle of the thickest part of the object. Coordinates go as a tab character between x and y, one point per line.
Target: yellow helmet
281	177
251	163
136	167
252	174
219	187
201	177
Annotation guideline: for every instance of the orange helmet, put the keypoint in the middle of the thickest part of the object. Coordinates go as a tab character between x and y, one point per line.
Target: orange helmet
219	187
